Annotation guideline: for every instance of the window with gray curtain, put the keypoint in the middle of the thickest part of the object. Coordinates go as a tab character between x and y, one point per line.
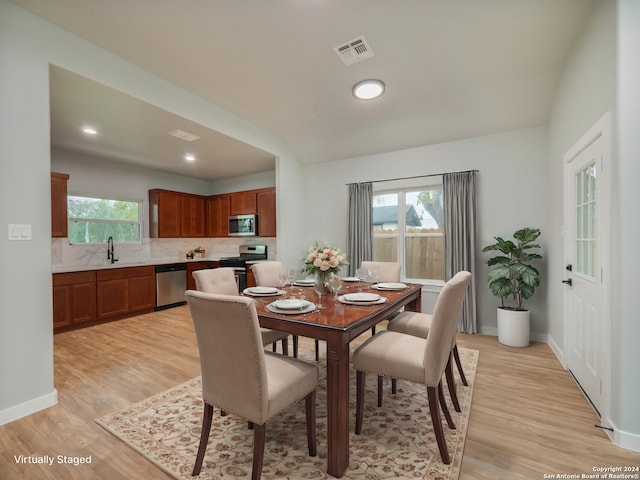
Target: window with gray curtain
359	243
460	234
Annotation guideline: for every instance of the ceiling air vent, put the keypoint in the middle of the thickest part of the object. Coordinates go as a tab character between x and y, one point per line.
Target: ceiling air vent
182	135
354	51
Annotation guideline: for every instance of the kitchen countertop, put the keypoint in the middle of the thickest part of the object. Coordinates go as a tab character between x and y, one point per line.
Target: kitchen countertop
136	263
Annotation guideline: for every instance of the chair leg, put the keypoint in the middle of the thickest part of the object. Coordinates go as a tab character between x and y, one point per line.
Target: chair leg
207	417
444	407
295	346
258	450
360	377
373	330
380	381
285	346
317	350
273	347
394	386
432	395
456	356
310	408
451	385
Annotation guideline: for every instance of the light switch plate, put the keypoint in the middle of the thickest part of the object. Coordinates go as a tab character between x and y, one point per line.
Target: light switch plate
19	231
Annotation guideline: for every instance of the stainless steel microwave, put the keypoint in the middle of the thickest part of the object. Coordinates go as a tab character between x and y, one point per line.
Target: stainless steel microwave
243	226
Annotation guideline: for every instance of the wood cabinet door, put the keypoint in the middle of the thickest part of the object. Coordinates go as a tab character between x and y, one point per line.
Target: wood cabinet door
59	224
84	303
62	305
142	293
243	202
192	216
266	203
164	214
218	211
113	297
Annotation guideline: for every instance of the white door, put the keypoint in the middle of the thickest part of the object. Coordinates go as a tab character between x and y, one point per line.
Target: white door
586	255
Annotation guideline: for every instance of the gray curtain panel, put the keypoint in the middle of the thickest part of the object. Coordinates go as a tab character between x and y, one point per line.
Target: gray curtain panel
360	225
460	237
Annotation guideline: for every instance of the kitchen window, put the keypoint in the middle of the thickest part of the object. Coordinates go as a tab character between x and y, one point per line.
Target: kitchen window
94	220
408	228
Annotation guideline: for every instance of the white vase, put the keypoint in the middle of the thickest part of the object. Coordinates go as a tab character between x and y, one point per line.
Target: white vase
513	327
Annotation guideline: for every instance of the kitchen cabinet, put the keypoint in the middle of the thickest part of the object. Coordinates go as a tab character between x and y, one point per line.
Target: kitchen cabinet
192	216
218	211
74	299
123	291
59	224
243	202
266	211
193	266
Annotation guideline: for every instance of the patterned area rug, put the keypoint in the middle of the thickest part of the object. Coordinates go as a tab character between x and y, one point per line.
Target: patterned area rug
397	440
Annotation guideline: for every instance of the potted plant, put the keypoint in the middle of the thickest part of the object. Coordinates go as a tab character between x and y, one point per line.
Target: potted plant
514	277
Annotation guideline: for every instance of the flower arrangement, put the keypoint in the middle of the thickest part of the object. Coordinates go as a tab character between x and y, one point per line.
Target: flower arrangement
324	260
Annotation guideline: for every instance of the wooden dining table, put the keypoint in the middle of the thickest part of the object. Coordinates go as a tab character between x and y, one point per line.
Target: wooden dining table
337	324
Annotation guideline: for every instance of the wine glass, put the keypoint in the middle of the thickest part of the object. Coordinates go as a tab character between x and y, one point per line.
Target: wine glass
334	283
291	275
282	279
320	287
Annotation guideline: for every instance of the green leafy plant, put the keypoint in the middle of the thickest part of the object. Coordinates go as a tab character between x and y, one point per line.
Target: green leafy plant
513	275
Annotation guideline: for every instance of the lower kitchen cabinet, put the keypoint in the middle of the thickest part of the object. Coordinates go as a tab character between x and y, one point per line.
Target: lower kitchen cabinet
74	299
122	291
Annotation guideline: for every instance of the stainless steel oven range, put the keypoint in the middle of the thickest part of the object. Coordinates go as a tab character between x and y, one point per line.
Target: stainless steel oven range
248	253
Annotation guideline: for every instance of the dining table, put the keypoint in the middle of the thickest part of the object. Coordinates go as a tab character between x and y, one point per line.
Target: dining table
337	324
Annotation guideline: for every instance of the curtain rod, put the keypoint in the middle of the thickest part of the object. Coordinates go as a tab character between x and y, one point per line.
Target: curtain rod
415	176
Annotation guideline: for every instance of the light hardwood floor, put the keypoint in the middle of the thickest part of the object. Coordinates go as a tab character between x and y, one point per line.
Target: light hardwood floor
528	418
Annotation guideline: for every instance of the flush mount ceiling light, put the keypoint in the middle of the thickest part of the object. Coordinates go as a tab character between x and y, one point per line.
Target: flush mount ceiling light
368	89
189	157
89	130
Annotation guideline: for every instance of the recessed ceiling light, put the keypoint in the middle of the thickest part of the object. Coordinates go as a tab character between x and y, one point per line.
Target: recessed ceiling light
368	89
189	157
89	130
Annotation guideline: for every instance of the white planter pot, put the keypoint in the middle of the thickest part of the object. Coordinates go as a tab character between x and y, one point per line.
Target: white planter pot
513	327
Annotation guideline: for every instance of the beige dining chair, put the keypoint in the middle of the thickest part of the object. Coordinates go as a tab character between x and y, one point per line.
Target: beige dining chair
418	324
387	272
419	360
268	274
223	281
259	386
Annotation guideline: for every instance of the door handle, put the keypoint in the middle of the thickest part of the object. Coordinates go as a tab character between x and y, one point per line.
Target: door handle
568	282
569	267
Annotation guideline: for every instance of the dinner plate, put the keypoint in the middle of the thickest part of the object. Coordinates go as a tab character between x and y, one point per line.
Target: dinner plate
262	291
361	297
350	279
307	282
380	300
310	307
390	286
290	304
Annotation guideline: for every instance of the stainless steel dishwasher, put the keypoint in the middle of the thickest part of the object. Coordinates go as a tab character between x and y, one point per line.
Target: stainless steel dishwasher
171	283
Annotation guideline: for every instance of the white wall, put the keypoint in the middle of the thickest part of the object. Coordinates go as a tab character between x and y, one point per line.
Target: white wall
28	46
511	195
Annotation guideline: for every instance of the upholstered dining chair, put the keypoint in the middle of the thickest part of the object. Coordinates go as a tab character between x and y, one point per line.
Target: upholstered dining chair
419	360
268	274
223	282
260	385
418	324
387	272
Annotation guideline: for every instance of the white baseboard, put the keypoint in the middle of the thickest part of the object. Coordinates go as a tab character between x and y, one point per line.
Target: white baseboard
557	351
627	440
27	408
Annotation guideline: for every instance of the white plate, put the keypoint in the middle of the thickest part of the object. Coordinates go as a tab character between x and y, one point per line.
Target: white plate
262	290
380	300
290	304
249	291
390	286
310	307
351	279
361	297
307	282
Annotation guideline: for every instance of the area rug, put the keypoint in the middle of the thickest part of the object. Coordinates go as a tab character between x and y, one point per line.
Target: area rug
397	439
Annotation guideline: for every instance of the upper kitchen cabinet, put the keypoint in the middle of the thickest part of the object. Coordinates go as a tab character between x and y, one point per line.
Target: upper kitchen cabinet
218	211
176	214
243	203
59	224
266	211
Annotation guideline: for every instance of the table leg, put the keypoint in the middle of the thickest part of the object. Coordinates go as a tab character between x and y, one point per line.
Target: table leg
337	406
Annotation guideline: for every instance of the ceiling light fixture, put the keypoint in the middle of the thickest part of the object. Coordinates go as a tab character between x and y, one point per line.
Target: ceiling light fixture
89	130
368	89
189	157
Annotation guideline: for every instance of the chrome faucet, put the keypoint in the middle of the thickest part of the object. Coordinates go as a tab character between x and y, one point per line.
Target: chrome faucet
110	255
